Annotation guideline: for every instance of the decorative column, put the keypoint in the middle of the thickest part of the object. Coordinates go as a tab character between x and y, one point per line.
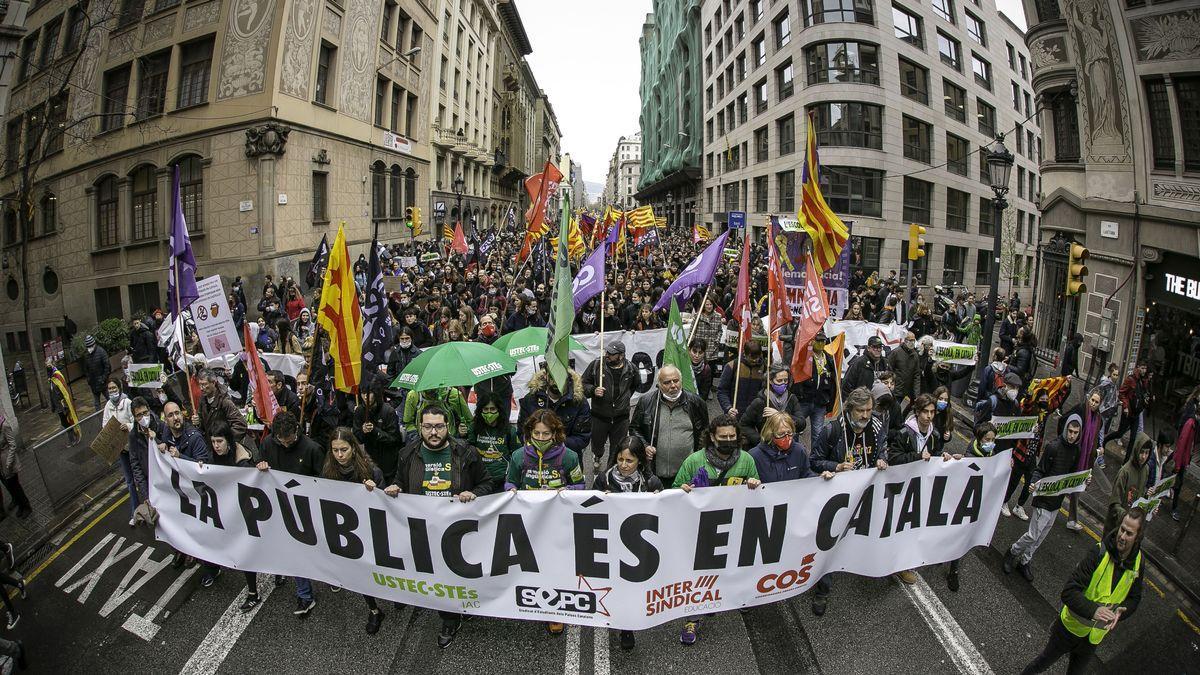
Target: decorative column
266	143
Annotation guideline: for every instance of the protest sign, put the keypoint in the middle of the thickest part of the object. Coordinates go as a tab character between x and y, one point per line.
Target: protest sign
407	261
112	439
392	284
1015	428
954	352
1066	484
430	257
214	321
1162	490
625	561
145	375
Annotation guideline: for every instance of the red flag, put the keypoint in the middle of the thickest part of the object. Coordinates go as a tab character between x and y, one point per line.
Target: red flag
260	390
781	312
459	244
540	187
741	305
525	249
815	309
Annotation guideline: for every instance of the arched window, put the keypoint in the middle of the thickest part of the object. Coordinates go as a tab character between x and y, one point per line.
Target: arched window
395	199
378	191
145	203
49	213
191	192
107	201
410	187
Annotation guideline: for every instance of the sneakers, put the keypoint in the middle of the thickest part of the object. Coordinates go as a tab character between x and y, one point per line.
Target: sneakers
280	580
1010	562
303	607
449	630
1005	511
178	560
819	605
688	636
1074	526
210	577
373	621
627	640
952	581
132	522
13	618
12	557
1027	572
252	600
1175	515
554	628
335	589
907	576
1020	512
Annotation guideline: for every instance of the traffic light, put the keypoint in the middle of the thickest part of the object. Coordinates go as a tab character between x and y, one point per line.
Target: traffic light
1077	269
408	217
916	244
416	219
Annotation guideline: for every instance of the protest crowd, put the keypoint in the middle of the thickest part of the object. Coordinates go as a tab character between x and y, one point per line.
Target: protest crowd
736	405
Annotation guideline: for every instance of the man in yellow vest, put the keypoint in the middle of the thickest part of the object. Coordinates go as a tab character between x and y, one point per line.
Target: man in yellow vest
1105	589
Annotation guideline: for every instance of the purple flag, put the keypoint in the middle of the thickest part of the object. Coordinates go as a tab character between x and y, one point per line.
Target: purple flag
699	272
181	275
590	280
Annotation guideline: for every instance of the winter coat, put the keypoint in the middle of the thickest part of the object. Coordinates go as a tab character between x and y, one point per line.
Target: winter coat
399	358
1129	486
861	372
97	368
905	365
1184	444
385	440
1074	594
1134	393
650	483
703	376
557	468
190	443
619	384
642	423
906	445
572	408
10	457
831	451
143	345
303	457
466	470
1058	458
775	466
818	390
1024	364
710	327
751	419
139	454
753	381
120	410
221	410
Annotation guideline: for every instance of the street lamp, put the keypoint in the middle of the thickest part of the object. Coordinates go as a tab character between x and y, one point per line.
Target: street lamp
457	187
1000	163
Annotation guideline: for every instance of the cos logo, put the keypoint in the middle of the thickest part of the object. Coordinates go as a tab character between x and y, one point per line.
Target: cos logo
563	600
774	582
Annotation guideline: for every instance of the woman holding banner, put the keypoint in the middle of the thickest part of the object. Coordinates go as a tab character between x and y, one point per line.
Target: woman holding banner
226	451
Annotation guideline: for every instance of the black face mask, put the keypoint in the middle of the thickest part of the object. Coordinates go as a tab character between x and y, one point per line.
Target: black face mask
727	447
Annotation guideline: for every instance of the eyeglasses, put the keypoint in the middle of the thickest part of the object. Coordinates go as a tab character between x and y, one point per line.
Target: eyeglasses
785	434
433	427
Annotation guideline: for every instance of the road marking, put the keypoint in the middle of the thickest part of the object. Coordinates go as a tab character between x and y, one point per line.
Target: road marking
115	555
62	549
955	641
602	647
571	663
225	633
1187	621
144	626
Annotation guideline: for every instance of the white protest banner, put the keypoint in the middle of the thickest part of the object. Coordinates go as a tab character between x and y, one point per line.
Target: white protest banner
626	561
858	332
288	364
407	261
954	352
1066	484
214	321
1161	490
643	349
1015	428
145	375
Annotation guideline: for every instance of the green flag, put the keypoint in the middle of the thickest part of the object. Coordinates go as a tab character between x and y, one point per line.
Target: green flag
563	316
676	353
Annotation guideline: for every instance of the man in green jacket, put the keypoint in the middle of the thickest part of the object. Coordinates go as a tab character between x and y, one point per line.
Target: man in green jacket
450	399
1130	484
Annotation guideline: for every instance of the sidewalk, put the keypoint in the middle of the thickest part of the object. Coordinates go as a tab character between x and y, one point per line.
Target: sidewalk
39	423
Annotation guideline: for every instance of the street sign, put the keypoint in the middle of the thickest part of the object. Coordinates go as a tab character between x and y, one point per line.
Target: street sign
737	220
439	209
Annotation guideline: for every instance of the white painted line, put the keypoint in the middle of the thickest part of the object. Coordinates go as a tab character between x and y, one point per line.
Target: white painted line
602	647
225	632
144	626
954	640
571	663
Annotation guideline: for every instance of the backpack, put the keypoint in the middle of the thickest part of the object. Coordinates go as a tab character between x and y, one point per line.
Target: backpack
984	408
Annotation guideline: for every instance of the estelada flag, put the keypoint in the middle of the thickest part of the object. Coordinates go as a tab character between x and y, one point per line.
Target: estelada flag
541	186
340	316
265	405
459	242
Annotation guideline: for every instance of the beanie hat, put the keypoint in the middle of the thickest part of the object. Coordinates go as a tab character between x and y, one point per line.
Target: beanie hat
89	341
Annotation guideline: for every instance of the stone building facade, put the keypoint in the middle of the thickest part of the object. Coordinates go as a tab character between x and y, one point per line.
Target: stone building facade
624	173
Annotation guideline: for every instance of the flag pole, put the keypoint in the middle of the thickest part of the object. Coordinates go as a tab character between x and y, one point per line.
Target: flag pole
696	318
187	375
737	371
603	305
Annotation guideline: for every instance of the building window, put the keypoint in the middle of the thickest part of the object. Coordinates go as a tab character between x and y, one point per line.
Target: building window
982	70
49	41
983	267
1047	10
984	171
784	80
786	185
783	30
107	203
986	115
195	66
395	193
950	51
378	191
12	145
954	264
1066	127
1016	95
10	228
381	92
918	196
854	191
761	185
395	117
760	96
976	30
34	123
732	200
49	213
864	253
858	125
908	27
410	187
1012	56
56	122
986	213
145	203
785	130
1187	93
917	142
325	65
944	9
843	62
320	197
152	84
144	297
131	12
958	207
956	101
759	49
410	114
957	150
108	303
762	145
838	11
75	19
914	82
191	192
116	93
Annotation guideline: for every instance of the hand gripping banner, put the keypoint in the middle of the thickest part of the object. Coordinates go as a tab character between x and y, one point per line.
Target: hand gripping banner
627	561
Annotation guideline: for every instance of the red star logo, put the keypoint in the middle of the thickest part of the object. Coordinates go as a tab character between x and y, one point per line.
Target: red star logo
601	594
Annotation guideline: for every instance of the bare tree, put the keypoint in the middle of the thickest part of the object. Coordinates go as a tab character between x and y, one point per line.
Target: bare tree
1012	251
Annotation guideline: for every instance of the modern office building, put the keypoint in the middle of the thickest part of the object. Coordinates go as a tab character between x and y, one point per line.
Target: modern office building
1119	83
624	172
903	95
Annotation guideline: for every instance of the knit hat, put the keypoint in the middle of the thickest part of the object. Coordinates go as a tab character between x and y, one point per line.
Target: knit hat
89	341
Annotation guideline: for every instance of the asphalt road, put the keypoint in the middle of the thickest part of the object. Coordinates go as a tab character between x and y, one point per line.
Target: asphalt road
107	601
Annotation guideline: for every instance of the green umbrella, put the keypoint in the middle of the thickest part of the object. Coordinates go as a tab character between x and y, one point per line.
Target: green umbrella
528	342
454	364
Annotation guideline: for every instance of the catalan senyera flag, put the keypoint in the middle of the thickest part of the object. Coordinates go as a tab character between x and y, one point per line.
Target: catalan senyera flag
640	219
700	234
340	316
576	246
448	232
837	349
827	232
742	305
60	383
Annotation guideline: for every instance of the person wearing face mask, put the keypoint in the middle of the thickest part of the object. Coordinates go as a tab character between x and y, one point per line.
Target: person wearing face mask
610	397
492	434
147	427
181	441
228	452
917	440
488	332
1090	445
780	455
117	407
377	428
753	380
905	364
569	405
404	351
816	394
773	400
1058	458
96	367
671	422
1003	403
983	445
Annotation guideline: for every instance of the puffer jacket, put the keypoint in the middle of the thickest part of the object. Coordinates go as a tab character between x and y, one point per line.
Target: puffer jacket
221	410
572	408
96	367
143	347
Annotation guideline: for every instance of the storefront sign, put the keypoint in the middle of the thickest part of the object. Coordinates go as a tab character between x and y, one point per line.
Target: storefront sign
1175	282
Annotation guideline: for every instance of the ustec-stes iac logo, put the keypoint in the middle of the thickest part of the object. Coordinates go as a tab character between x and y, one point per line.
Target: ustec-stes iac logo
698	595
583	600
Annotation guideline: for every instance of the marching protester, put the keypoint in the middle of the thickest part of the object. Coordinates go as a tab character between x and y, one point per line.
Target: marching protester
1091	446
1058	458
1003	403
702	370
1130	484
493	435
10	469
780	455
918	440
148	428
226	451
1182	457
741	381
117	406
671	422
905	365
775	399
863	369
569	405
610	395
816	393
284	396
376	429
96	367
182	440
451	400
983	445
215	408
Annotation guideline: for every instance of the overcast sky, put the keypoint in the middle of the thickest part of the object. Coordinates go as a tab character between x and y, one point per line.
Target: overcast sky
586	58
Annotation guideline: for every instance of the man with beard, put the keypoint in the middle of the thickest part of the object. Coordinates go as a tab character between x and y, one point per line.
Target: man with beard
610	397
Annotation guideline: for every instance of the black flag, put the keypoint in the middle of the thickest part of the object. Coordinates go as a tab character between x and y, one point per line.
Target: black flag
377	320
320	259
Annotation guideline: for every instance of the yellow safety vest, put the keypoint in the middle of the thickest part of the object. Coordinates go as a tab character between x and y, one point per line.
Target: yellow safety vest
1101	592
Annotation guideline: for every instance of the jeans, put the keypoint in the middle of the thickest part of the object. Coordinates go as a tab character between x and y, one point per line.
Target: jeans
1063	641
1040	522
13	483
130	484
1020	470
824	586
304	589
1179	474
611	430
815	415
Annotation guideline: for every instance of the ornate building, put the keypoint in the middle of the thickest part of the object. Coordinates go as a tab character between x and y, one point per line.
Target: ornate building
1119	89
624	173
514	95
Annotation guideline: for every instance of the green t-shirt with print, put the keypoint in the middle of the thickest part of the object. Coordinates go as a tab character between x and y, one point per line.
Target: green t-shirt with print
436	482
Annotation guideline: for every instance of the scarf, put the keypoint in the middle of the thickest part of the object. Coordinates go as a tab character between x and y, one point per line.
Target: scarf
714	459
777	402
346	472
620	483
1089	439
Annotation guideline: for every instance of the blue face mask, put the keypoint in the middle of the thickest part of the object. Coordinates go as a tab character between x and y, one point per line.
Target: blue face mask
987	447
942	405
